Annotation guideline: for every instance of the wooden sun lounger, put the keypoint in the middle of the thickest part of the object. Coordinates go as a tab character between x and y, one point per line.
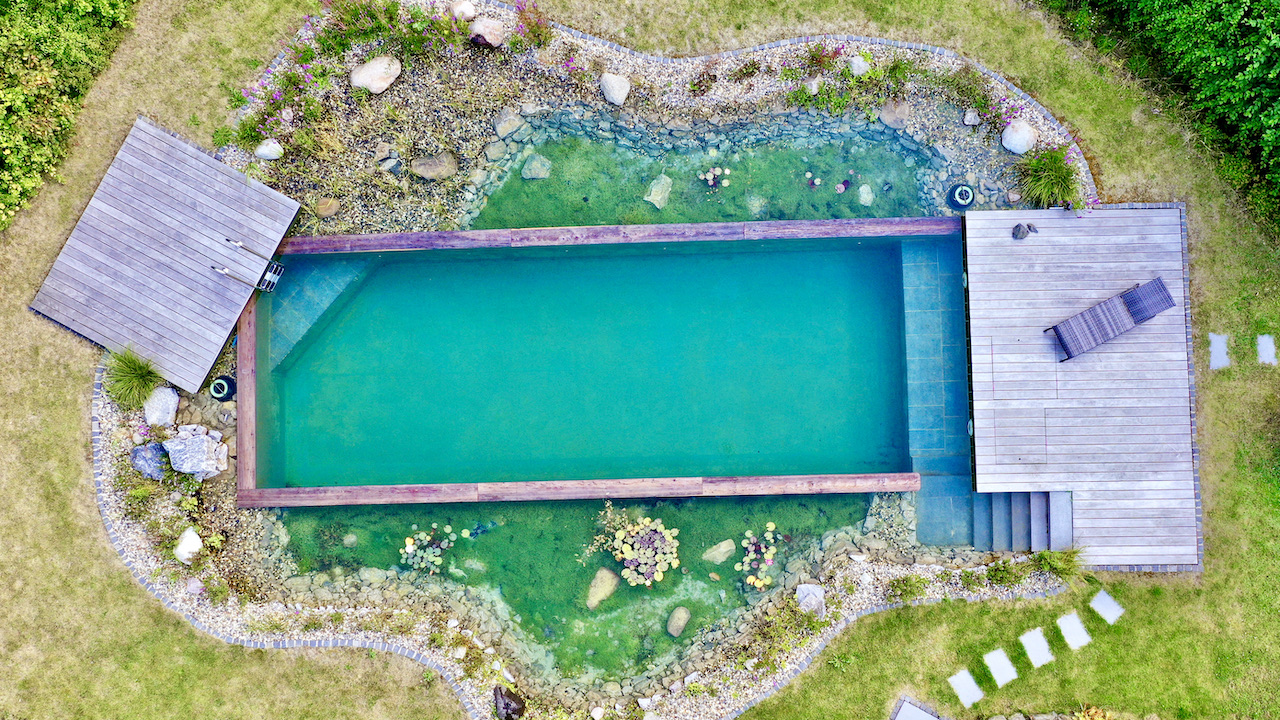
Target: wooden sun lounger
1112	317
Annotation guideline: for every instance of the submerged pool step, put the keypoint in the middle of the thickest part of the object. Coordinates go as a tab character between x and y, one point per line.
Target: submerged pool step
1022	521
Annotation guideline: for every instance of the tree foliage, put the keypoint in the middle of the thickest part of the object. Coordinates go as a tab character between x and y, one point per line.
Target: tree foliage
50	52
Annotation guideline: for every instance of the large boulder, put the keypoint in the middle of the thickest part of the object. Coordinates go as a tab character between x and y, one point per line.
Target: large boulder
720	552
149	460
812	599
865	195
195	455
436	167
659	191
602	586
677	621
377	74
269	149
1019	137
895	114
507	705
615	88
508	122
189	545
488	32
161	407
536	167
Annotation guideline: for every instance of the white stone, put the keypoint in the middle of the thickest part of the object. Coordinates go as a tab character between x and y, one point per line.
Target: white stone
377	74
858	65
350	540
1018	137
459	653
602	586
1001	669
488	31
812	599
1106	606
269	149
720	552
972	117
161	406
866	197
453	623
194	586
966	688
189	545
615	88
813	85
1073	631
463	10
659	192
597	713
644	703
1036	646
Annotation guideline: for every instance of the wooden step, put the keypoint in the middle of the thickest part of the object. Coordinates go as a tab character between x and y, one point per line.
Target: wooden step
982	521
1001	527
1020	521
1060	519
1039	521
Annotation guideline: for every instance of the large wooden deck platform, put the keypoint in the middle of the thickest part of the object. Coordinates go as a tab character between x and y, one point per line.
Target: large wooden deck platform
1114	426
138	269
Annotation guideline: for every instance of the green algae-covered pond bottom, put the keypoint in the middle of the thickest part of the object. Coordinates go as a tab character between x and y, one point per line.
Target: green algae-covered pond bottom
690	359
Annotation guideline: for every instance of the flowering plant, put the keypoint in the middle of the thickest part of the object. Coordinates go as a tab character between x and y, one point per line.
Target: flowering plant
646	549
758	556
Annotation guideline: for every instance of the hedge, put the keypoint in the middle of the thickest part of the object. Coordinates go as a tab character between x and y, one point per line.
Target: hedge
50	52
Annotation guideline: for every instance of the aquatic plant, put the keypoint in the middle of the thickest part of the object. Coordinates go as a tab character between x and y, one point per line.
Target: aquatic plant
424	551
130	378
758	557
647	551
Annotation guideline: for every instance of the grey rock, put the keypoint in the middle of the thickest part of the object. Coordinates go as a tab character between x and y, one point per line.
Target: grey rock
720	552
377	74
384	151
195	455
436	167
507	705
813	85
1020	231
659	191
350	540
812	599
895	113
1014	196
615	88
1019	137
677	621
602	586
536	167
495	151
161	406
391	165
972	117
269	149
507	122
194	586
149	460
858	65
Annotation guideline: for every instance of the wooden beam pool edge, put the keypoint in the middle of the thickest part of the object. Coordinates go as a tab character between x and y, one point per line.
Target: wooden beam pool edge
247	398
728	486
619	234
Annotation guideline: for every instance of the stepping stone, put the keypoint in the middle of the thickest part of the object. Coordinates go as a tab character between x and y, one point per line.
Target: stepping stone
1001	669
1107	607
966	688
911	712
1037	647
1267	349
1073	631
1218	351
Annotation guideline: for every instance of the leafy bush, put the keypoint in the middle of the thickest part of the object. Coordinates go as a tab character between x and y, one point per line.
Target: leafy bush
968	88
785	631
408	29
1048	177
130	378
907	588
1063	564
1004	572
50	52
702	84
532	25
747	70
817	58
971	581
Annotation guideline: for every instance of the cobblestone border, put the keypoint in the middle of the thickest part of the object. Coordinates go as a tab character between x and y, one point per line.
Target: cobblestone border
1191	370
1091	188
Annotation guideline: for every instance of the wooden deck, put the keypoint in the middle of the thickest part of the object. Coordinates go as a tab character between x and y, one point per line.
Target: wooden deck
615	234
1114	426
136	270
577	490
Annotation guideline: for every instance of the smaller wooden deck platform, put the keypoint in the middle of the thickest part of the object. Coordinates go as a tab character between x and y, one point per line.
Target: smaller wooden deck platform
138	269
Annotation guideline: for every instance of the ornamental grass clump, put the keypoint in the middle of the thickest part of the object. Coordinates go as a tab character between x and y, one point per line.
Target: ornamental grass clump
1048	177
758	557
130	378
647	551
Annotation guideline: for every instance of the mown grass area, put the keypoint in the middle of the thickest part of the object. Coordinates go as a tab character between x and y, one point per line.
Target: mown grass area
80	639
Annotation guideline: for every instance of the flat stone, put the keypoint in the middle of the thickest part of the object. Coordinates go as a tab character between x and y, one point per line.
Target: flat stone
912	712
865	195
1020	231
377	74
507	122
615	88
972	117
189	545
812	599
161	406
721	551
1019	137
495	151
1002	670
391	165
436	167
269	149
602	586
327	208
966	688
149	460
895	114
537	167
1107	607
677	621
1218	358
1073	631
1037	647
194	586
659	193
1267	349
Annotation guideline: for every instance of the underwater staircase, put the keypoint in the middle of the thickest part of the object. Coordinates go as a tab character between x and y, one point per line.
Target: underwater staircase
1022	521
310	292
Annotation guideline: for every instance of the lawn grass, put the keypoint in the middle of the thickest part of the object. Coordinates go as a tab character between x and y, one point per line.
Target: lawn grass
81	639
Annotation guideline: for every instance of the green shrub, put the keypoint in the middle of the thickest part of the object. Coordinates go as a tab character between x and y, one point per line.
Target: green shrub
1004	572
968	88
50	52
360	21
130	379
223	136
817	58
785	631
1048	177
747	70
971	581
702	84
1064	564
218	591
907	588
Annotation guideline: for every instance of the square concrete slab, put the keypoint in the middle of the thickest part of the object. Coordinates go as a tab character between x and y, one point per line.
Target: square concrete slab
1218	351
1107	607
911	712
1037	647
1267	349
1001	669
966	688
1073	631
